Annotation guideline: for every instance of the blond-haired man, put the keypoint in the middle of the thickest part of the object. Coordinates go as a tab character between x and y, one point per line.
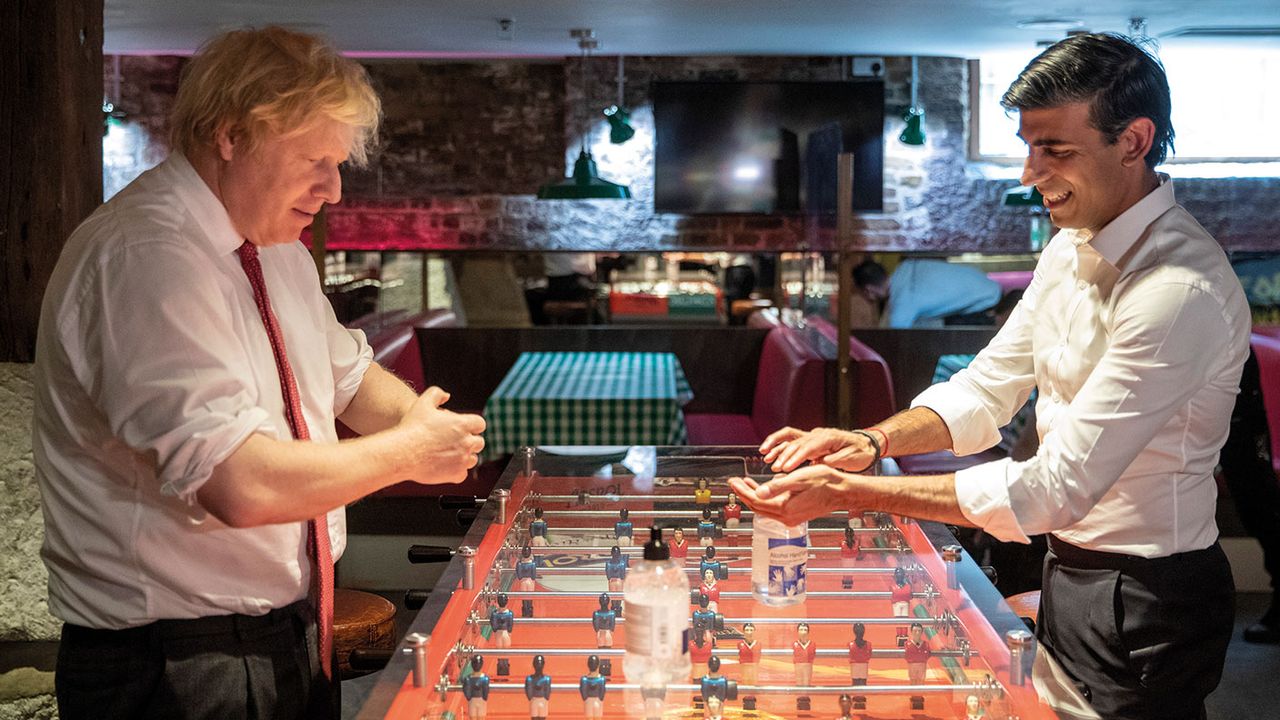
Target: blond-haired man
189	375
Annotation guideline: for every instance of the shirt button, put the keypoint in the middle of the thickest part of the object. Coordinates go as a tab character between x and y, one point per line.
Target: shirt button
1057	398
1081	285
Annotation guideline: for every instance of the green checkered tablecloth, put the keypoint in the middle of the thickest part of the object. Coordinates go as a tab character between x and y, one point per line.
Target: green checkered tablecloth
587	398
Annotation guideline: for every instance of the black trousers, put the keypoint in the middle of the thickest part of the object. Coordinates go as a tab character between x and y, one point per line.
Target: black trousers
1143	639
231	666
1246	467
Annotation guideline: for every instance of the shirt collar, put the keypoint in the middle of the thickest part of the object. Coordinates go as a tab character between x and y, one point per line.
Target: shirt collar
1119	235
204	206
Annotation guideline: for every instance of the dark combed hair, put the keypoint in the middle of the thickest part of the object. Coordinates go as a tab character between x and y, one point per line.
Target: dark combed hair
1118	78
869	272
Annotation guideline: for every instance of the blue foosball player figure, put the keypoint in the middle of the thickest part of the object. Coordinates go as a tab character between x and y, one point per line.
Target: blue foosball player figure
475	688
622	530
537	529
603	622
709	562
526	570
706	529
705	620
537	688
615	569
591	687
714	685
501	623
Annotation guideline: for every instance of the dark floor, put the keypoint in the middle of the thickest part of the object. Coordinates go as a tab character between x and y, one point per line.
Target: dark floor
1250	688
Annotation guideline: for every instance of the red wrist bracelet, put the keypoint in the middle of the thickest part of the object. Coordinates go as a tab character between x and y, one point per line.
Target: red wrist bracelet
884	440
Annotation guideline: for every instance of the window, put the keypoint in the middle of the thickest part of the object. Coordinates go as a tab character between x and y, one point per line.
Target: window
1226	103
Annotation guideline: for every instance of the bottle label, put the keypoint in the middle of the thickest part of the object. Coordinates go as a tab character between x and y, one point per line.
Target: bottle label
787	562
656	630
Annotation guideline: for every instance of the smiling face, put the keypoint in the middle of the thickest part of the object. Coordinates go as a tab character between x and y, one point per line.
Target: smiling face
1086	181
272	192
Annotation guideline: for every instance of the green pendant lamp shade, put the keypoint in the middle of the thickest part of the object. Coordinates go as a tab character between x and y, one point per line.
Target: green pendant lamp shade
1022	196
913	133
620	129
585	184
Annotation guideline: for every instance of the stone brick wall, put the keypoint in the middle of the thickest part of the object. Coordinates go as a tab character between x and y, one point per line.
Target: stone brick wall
466	144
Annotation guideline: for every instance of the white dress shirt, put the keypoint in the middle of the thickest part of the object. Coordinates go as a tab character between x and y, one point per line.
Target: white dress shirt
152	367
1136	338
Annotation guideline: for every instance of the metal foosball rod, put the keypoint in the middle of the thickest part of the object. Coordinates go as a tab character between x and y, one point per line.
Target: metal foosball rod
552	572
719	652
926	689
936	621
724	594
728	531
720	549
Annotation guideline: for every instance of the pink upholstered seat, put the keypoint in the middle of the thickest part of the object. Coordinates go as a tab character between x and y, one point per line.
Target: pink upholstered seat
872	388
1267	351
790	390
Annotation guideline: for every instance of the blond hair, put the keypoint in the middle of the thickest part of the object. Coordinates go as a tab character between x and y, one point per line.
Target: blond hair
272	81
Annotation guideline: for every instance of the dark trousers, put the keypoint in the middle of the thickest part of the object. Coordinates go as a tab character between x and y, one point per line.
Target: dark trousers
1246	467
231	666
1144	639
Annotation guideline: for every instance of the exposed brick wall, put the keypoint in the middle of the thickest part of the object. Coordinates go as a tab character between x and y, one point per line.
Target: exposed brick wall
466	144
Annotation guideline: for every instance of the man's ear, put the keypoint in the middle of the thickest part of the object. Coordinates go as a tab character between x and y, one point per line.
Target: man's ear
1136	140
226	140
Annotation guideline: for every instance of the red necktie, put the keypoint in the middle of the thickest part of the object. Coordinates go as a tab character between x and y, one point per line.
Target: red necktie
317	528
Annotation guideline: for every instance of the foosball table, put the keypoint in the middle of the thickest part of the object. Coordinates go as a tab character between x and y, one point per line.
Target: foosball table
527	621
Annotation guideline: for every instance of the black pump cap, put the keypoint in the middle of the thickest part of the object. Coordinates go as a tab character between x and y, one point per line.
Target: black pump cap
656	549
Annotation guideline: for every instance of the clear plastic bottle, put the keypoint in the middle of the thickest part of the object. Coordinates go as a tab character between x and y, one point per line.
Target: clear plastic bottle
779	559
656	593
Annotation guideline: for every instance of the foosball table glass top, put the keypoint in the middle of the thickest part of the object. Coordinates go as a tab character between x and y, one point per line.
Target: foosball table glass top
535	593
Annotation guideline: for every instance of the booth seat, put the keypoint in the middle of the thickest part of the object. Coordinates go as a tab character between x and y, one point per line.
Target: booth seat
871	382
790	390
1267	350
395	344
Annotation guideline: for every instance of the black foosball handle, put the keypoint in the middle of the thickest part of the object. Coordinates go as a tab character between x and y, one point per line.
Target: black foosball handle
419	554
369	659
459	502
415	599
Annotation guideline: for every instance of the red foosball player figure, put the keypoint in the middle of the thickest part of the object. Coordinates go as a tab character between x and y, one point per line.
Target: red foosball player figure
591	687
603	622
850	551
749	654
859	662
699	654
732	512
537	688
679	546
711	590
475	688
702	495
537	529
501	623
917	653
803	652
900	596
623	529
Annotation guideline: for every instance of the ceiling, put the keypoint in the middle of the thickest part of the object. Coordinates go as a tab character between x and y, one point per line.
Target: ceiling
470	28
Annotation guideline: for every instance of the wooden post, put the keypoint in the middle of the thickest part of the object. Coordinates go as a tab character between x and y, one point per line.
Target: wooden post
844	284
51	123
319	241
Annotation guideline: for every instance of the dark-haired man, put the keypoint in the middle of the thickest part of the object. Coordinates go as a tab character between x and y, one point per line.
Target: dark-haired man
1134	330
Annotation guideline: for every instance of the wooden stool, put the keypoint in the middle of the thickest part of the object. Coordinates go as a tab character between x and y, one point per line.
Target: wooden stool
361	620
1025	605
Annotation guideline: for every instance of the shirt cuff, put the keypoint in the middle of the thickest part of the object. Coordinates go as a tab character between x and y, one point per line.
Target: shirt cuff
983	494
971	425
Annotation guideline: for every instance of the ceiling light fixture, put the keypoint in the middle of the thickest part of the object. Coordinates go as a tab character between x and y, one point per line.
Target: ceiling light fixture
585	182
913	133
1049	23
618	115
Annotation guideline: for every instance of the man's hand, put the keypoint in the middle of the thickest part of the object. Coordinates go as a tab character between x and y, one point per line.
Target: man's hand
789	448
808	493
446	443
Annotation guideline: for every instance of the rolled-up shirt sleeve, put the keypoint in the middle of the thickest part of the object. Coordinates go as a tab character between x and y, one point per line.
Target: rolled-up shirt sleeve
160	357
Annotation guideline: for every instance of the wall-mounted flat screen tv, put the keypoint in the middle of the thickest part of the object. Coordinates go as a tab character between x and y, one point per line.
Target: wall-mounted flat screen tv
766	147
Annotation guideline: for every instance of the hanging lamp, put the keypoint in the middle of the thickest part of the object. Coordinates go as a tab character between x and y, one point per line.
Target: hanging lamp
585	182
618	115
913	134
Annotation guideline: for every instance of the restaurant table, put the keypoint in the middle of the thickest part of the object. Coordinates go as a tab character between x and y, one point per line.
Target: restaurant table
587	398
